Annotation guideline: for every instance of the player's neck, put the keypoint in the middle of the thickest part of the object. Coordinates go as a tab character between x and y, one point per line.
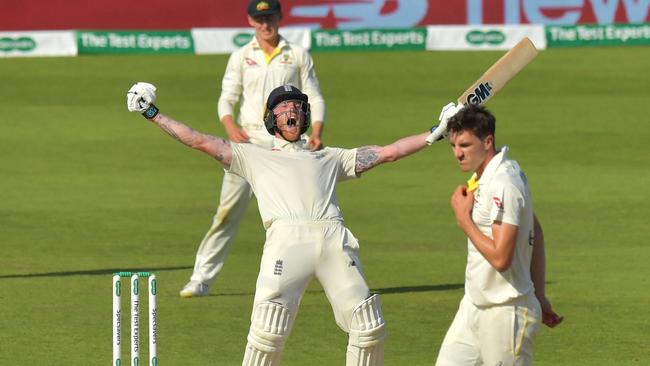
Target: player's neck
268	46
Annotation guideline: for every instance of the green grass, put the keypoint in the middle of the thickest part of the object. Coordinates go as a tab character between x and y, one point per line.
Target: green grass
87	188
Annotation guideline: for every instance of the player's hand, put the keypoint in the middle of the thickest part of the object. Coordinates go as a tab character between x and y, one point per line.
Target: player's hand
140	97
462	203
236	134
439	131
314	143
549	317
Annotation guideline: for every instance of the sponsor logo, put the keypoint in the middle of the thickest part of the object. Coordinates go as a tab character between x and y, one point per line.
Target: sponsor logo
498	202
358	14
250	61
370	38
262	5
22	44
135	42
493	37
241	39
480	94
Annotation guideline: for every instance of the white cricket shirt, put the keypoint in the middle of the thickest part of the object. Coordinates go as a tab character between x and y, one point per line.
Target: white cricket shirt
502	195
249	76
291	182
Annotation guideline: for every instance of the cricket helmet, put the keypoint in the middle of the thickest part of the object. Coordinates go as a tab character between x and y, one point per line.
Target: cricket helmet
279	95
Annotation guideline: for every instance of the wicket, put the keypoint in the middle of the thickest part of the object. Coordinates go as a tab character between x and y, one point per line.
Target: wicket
135	318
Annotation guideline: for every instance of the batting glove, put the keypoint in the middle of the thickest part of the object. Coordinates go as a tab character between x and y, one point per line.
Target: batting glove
439	131
140	98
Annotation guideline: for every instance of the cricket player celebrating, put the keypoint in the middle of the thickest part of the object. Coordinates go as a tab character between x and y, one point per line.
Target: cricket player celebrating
305	236
500	313
266	62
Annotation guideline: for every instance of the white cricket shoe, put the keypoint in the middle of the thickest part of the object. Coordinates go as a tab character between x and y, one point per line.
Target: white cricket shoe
194	289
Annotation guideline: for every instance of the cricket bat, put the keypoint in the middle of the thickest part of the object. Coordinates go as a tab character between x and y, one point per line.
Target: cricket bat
498	75
495	78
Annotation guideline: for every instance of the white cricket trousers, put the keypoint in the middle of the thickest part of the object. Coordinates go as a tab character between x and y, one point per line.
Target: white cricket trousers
497	335
295	252
235	196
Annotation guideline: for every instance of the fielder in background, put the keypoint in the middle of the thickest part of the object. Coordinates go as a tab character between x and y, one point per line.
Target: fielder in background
305	234
266	62
500	313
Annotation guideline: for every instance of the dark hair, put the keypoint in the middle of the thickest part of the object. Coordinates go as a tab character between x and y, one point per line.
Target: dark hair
473	118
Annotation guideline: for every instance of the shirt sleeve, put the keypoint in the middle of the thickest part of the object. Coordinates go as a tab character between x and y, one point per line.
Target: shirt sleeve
507	204
238	163
311	87
231	86
348	160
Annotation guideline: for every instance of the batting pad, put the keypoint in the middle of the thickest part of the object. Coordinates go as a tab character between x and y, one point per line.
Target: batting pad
367	333
269	330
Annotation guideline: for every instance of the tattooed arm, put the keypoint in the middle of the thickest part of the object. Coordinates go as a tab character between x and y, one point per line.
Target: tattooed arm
214	146
369	157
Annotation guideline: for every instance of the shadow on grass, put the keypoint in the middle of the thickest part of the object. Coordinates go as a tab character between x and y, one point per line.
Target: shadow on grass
387	290
109	271
94	272
423	288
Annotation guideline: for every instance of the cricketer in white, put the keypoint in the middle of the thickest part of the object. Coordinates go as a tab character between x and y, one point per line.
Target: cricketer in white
505	298
305	237
253	71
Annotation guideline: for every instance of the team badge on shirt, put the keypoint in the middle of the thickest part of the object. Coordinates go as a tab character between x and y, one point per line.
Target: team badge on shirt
250	61
286	59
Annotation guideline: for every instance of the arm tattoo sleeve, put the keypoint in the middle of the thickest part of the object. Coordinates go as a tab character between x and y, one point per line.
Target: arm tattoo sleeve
178	131
223	144
214	146
367	157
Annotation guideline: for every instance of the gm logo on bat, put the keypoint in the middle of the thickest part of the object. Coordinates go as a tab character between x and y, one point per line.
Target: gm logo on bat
480	94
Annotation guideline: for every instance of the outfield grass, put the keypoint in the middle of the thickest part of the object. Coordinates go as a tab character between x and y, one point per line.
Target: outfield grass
87	188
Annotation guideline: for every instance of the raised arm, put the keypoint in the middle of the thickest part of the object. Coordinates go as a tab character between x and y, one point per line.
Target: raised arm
369	157
214	146
140	98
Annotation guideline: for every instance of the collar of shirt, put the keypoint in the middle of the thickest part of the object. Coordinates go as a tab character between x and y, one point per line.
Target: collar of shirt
284	145
268	57
282	43
492	166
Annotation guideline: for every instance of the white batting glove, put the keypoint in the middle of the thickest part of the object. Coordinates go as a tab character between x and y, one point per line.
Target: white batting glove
140	97
439	131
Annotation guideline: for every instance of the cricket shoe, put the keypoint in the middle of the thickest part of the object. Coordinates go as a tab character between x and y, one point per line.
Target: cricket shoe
194	289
